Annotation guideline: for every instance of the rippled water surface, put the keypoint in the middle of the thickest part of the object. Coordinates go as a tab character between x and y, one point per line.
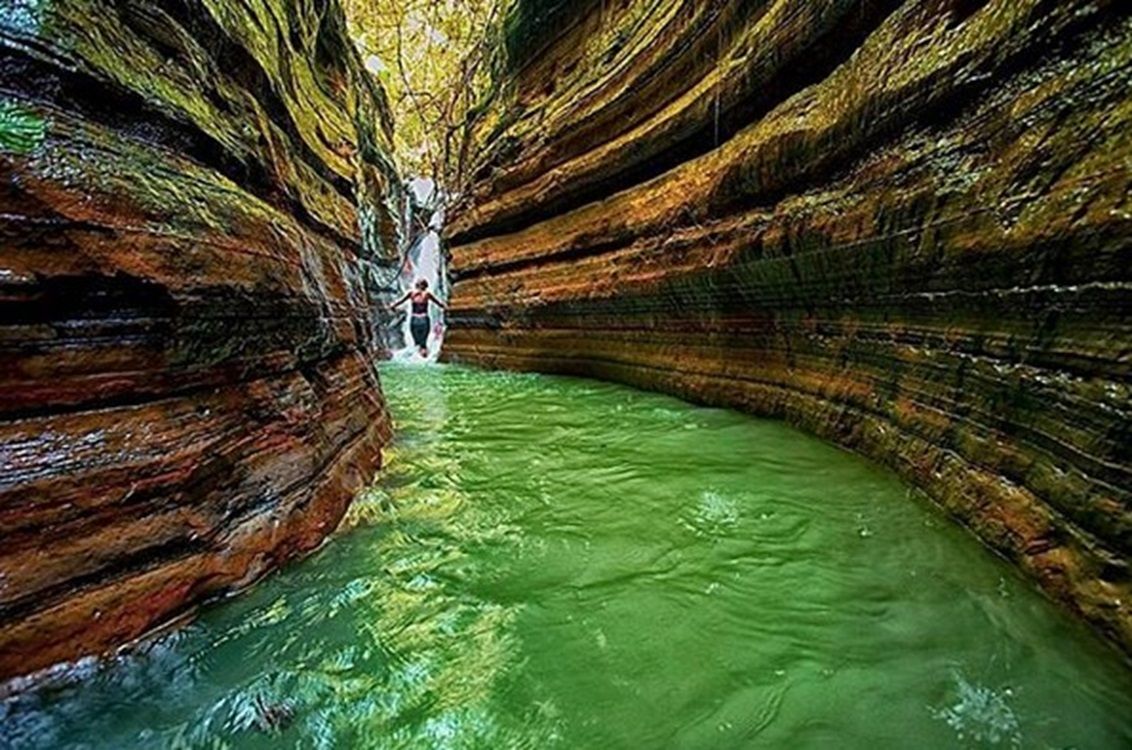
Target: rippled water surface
550	562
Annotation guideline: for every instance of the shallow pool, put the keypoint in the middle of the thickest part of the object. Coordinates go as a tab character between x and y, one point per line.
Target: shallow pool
549	562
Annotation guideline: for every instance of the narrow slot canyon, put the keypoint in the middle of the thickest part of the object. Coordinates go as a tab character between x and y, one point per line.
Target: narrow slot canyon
581	374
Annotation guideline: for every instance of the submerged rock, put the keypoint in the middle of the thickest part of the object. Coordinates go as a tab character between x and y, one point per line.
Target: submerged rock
187	396
901	225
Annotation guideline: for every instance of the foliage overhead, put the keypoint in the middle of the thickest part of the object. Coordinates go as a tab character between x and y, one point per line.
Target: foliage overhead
435	59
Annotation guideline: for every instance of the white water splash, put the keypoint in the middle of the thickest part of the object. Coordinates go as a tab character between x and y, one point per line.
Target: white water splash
714	514
981	715
425	260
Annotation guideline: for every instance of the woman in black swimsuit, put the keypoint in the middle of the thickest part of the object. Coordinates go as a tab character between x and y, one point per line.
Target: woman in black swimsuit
419	322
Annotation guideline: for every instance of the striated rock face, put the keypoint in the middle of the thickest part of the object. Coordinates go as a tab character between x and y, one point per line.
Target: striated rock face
186	391
903	226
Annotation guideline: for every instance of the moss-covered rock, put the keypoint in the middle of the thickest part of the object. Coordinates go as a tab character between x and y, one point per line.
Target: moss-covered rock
901	224
193	196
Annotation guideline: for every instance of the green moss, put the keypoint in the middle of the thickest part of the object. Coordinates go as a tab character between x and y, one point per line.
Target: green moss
530	24
21	129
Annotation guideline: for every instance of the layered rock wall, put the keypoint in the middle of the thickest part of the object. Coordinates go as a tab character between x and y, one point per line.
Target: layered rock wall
187	396
901	225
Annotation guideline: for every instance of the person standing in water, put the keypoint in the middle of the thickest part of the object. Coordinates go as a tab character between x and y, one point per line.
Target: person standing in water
419	323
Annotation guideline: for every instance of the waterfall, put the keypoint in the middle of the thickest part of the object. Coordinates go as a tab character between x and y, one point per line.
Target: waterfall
425	260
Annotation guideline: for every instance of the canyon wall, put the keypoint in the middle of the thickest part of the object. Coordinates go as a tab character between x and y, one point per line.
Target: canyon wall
187	395
904	226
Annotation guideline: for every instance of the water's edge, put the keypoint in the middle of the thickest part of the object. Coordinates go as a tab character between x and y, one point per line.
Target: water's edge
555	562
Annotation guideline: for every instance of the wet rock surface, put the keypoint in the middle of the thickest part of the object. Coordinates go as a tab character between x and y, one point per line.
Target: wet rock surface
187	395
903	226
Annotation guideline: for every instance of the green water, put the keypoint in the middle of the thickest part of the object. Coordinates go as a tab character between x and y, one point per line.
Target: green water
551	563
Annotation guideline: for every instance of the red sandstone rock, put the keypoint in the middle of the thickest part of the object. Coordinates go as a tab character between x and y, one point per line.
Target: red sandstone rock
187	391
903	226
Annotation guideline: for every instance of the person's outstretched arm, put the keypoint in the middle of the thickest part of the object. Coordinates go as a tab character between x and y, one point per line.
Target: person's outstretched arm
438	302
400	302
